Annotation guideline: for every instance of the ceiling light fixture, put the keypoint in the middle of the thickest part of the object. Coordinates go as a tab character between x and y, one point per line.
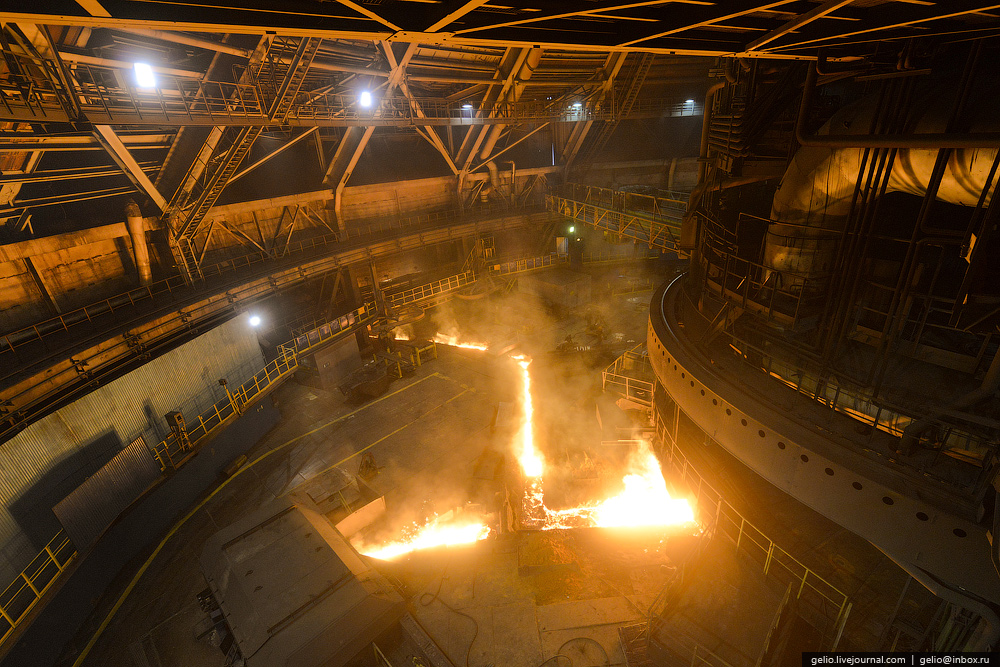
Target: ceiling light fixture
144	77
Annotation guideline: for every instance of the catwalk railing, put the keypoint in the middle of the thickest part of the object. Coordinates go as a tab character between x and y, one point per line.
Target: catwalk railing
104	96
821	603
178	447
18	599
631	376
21	596
651	219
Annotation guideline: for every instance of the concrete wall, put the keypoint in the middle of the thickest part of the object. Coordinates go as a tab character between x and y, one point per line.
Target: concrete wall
50	458
42	277
399	199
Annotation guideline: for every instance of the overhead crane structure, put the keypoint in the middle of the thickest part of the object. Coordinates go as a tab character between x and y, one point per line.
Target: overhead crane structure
466	86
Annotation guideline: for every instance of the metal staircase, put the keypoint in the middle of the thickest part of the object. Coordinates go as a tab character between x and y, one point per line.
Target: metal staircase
279	84
623	105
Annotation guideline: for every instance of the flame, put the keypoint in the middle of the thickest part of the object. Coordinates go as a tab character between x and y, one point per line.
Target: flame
531	462
435	533
400	335
444	339
644	501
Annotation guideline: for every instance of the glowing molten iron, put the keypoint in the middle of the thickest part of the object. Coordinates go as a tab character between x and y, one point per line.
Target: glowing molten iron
434	533
444	339
645	500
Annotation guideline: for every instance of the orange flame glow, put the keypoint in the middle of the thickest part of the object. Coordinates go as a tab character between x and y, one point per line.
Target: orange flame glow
435	533
644	501
452	341
531	462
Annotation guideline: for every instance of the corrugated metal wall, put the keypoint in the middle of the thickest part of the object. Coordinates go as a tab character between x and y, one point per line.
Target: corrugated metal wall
44	463
94	505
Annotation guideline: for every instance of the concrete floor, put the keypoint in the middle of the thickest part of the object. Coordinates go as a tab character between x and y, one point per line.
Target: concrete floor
532	595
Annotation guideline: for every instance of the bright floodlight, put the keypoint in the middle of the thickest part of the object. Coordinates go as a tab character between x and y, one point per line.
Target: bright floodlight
144	76
688	101
572	229
366	99
577	105
254	320
466	106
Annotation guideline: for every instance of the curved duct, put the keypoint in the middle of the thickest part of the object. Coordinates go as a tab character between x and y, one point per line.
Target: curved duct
813	201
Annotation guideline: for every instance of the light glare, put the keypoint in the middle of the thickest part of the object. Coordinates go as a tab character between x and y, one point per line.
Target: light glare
144	75
254	320
366	99
688	101
466	106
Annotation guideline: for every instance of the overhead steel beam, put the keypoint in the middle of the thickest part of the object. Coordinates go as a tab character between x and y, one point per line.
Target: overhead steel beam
116	149
589	10
827	7
364	11
612	66
915	16
431	136
355	139
455	14
75	173
710	19
288	144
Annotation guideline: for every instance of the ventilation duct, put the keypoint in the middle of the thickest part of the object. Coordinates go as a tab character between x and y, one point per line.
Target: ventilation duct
811	205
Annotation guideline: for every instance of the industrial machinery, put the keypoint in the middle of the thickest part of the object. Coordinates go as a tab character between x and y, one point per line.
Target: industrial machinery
293	591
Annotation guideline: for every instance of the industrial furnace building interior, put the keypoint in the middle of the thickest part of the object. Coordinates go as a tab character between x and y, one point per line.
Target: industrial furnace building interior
448	332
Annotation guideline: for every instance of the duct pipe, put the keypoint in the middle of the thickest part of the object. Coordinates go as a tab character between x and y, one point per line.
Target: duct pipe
177	38
706	123
813	201
910	440
988	639
527	69
934	139
689	223
133	221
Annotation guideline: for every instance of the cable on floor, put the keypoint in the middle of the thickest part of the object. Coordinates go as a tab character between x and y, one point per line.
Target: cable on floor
430	597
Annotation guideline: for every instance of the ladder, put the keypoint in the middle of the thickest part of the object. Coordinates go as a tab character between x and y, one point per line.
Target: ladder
209	177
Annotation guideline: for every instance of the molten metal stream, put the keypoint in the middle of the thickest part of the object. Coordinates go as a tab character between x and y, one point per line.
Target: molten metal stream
644	502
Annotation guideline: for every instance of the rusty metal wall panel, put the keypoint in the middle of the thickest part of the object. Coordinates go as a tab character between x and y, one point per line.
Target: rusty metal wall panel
46	461
95	504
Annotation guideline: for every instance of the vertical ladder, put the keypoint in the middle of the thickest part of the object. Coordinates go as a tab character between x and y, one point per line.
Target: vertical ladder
189	208
190	269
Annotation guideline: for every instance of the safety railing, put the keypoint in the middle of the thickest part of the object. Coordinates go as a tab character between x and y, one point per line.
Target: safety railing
631	376
44	569
824	605
655	203
35	580
880	415
752	286
654	221
104	95
436	288
126	301
173	449
523	265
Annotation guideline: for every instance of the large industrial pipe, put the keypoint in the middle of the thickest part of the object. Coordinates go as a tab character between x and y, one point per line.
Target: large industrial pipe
527	69
133	221
813	201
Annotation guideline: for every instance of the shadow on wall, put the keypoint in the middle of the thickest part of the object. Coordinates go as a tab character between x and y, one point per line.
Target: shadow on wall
33	509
